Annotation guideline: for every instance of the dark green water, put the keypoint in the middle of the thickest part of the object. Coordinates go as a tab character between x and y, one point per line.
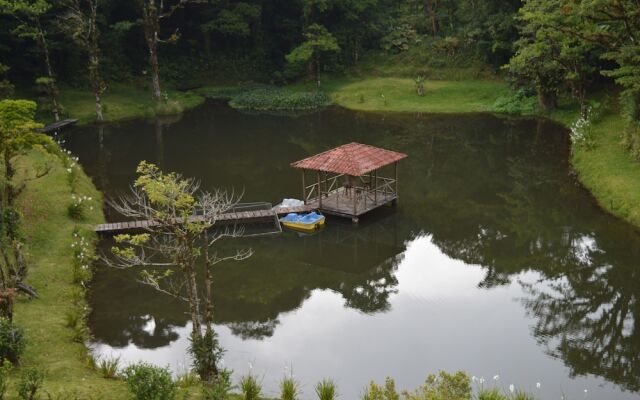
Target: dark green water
495	261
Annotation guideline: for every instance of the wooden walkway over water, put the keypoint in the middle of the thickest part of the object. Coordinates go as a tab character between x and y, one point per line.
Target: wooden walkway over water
228	217
59	125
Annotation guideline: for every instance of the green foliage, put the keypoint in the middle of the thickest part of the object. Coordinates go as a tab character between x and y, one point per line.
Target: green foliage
148	382
491	394
234	21
443	386
12	341
520	102
188	379
400	38
5	369
29	383
220	388
269	99
326	389
108	367
318	42
289	388
377	392
250	387
206	352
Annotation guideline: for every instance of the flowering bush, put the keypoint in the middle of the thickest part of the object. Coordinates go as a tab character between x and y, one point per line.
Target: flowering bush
582	130
78	207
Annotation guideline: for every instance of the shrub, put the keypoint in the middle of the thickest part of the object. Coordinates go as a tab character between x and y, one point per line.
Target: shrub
250	387
520	102
148	382
206	353
220	388
108	367
377	392
4	376
29	383
326	389
443	386
289	388
12	341
491	394
187	379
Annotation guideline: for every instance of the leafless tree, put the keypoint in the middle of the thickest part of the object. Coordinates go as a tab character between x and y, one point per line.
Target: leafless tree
182	234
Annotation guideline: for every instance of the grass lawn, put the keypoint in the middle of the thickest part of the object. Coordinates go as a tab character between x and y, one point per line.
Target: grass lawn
50	342
399	94
122	101
608	170
49	236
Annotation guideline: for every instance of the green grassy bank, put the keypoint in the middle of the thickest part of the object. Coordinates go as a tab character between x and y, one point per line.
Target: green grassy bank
125	101
49	231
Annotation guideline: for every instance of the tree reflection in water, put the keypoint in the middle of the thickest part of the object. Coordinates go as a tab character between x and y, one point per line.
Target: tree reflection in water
493	192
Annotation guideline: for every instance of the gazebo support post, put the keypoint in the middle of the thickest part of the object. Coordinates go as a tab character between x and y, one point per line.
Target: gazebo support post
354	217
395	171
375	187
319	190
304	188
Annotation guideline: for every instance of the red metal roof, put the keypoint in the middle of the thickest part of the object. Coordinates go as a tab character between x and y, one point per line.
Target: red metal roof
352	159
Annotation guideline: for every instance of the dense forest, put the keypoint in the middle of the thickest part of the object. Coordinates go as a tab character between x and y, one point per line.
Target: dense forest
546	48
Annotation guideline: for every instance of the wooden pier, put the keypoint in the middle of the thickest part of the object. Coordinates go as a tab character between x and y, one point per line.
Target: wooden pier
59	125
228	217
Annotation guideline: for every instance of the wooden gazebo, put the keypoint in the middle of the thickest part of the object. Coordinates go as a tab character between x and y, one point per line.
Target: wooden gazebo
348	180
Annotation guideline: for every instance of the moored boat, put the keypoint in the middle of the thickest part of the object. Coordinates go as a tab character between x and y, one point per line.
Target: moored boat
306	222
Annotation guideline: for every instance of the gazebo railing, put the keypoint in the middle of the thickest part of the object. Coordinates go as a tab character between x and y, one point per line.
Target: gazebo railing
363	190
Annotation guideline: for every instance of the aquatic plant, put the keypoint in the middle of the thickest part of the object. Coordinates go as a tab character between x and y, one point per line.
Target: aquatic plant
326	389
108	367
289	388
250	387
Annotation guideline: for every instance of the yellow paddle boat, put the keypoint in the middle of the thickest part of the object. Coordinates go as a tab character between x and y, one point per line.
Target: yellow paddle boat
307	222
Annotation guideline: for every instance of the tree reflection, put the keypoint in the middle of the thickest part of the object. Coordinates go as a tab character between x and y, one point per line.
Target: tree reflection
589	316
249	297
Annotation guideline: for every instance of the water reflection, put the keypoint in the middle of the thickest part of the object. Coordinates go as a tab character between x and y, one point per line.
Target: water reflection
489	213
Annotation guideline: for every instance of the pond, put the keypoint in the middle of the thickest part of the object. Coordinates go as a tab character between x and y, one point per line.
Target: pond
495	260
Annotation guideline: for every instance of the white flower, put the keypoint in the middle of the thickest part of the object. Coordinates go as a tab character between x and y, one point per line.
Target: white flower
250	366
512	388
474	379
481	380
69	170
496	377
538	385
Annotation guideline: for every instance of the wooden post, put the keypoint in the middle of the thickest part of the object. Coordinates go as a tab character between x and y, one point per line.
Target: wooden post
304	189
375	187
395	167
355	200
319	190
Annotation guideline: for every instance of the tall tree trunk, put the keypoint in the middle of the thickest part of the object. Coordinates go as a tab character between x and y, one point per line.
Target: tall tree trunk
151	21
194	302
53	87
548	100
96	83
430	9
94	60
